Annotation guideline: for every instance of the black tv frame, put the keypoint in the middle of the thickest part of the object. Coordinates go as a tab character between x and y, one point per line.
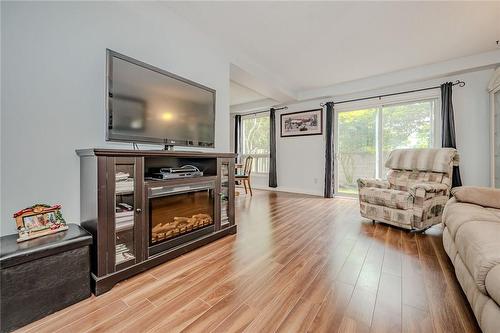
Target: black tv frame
167	142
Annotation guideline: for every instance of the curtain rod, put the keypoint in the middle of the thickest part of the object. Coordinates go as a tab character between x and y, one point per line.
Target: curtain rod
276	109
458	82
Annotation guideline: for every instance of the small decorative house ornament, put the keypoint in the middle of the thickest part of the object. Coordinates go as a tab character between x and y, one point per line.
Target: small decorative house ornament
39	220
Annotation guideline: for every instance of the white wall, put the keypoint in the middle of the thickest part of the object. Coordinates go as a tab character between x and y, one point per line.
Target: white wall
53	88
300	160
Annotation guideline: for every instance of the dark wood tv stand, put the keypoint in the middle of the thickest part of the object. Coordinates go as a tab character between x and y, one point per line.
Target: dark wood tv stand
137	222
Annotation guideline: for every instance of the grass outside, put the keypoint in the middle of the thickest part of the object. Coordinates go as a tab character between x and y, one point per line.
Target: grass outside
351	190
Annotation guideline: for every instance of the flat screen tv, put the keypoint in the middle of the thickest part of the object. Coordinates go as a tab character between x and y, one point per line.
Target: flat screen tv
146	104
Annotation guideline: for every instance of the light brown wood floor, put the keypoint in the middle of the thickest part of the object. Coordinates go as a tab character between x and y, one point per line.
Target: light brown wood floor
298	263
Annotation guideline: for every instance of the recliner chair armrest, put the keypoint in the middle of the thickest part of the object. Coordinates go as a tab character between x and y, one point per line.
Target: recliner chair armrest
372	182
419	189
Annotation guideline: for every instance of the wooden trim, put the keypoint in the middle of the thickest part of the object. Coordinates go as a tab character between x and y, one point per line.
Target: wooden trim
139	208
217	195
231	189
180	240
138	153
180	181
110	216
101	245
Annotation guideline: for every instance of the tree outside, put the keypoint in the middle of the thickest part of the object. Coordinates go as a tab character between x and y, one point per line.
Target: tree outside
356	146
403	126
256	141
407	126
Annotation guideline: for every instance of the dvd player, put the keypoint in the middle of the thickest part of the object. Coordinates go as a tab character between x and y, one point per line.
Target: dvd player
186	171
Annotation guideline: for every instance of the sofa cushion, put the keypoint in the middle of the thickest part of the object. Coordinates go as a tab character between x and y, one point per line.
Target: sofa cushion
449	245
486	197
478	244
493	283
386	197
485	309
457	214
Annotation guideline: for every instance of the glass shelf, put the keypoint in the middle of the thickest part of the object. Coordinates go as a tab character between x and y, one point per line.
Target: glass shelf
224	195
125	252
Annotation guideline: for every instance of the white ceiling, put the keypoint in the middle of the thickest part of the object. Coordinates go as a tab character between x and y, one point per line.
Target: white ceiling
241	95
310	45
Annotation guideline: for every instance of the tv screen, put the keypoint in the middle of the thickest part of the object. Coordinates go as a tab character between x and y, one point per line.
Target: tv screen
149	105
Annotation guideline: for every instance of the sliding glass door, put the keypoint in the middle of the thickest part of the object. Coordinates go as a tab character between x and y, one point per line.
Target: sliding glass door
365	137
356	148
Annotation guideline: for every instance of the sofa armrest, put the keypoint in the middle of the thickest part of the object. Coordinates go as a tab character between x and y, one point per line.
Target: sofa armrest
420	189
482	196
372	182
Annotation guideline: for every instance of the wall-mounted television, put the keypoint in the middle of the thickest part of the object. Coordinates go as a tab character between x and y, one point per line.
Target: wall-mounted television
146	104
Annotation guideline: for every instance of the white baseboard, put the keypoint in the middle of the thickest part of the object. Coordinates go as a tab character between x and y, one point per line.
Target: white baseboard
288	190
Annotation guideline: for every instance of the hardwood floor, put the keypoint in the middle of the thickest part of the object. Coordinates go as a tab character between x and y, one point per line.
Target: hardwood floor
298	264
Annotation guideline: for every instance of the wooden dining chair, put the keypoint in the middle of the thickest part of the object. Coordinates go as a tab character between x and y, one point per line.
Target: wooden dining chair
245	177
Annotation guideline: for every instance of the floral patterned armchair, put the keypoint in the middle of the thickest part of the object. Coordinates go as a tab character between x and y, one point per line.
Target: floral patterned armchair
415	192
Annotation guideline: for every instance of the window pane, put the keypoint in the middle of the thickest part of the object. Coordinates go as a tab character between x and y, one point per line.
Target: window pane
356	148
255	133
406	126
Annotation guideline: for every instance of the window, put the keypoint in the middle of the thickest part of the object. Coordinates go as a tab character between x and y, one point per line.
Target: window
255	141
365	137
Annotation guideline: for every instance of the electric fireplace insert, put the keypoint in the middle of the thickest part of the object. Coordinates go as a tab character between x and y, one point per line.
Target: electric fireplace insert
179	213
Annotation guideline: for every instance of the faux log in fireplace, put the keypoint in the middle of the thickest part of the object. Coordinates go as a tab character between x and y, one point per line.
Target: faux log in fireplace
138	222
176	211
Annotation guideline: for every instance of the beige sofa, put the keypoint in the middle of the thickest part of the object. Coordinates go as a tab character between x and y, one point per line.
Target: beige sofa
471	238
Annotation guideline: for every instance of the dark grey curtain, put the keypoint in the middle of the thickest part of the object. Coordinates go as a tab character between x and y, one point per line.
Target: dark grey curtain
329	178
237	134
273	179
448	126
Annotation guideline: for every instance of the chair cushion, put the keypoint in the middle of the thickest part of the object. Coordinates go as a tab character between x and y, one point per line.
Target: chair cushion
402	180
386	197
399	217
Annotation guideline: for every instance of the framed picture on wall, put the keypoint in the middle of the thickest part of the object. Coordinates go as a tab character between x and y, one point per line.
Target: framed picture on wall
301	123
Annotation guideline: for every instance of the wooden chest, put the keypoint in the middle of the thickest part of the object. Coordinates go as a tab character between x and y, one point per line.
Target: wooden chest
43	275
